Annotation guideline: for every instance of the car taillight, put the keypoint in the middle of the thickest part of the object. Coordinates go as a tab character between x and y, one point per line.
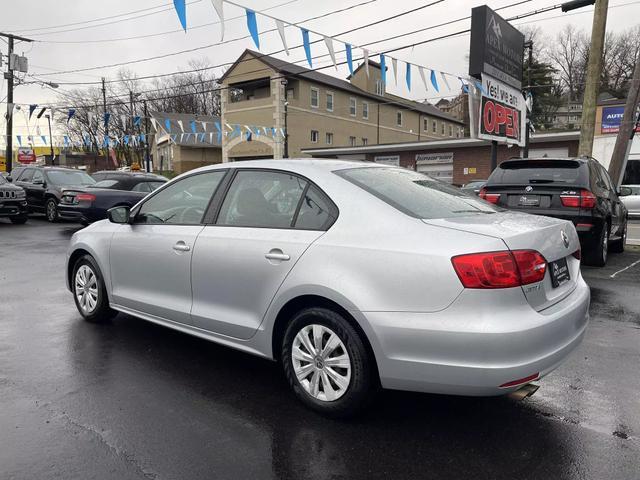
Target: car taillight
504	269
489	197
585	199
85	197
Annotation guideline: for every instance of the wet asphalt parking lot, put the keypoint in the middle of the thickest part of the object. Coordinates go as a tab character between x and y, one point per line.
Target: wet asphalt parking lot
131	400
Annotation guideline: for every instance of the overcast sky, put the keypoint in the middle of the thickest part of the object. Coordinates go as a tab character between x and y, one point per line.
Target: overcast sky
36	19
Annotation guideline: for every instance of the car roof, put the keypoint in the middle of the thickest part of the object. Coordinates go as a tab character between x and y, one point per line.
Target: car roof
298	165
536	159
151	176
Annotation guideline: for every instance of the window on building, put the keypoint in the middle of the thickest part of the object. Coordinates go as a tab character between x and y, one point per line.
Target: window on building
365	110
425	124
329	101
365	141
399	118
329	138
314	136
353	107
352	141
290	93
435	126
451	130
379	88
315	97
443	128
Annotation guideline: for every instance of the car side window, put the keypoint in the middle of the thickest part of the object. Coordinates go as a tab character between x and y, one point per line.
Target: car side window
141	187
259	198
37	177
606	179
181	203
27	175
315	212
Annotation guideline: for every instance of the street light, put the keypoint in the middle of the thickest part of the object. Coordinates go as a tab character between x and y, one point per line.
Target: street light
574	4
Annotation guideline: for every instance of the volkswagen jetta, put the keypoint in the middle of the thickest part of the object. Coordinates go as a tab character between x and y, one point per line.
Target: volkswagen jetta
352	275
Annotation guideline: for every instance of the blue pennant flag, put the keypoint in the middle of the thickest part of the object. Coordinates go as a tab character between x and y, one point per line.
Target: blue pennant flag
19	138
125	140
252	25
237	131
219	129
66	141
480	87
383	69
349	57
181	10
44	139
143	138
193	126
465	88
72	112
273	132
136	121
167	125
87	140
434	81
201	137
307	45
32	108
174	137
105	142
107	116
408	76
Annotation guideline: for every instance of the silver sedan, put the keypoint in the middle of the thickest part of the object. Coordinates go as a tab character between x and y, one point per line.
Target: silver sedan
351	275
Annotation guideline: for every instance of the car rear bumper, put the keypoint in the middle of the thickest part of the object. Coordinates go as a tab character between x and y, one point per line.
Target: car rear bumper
83	215
485	339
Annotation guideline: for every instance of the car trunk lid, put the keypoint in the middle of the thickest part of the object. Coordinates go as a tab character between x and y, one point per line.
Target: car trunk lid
555	239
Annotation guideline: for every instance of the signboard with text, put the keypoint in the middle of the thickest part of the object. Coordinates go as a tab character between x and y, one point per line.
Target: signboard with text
393	160
502	112
434	158
26	155
497	48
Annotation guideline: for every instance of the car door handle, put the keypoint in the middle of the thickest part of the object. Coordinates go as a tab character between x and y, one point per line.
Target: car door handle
277	254
181	247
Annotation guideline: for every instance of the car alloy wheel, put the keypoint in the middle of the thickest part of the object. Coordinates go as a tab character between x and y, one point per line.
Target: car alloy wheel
52	211
605	244
86	289
321	363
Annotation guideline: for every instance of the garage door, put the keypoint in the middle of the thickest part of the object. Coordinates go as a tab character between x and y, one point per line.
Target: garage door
436	165
562	152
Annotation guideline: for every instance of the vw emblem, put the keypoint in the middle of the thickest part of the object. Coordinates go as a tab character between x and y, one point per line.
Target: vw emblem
528	188
565	238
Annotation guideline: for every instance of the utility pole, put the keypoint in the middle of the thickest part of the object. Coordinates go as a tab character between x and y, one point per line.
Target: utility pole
592	87
132	114
106	125
9	77
147	156
527	133
620	155
53	162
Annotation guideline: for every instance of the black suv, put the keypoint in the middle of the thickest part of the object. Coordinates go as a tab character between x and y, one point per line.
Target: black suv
576	189
13	202
44	186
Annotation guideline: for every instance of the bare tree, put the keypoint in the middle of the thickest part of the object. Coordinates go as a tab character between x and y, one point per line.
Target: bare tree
569	55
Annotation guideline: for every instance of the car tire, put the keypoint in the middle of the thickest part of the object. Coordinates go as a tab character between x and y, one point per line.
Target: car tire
51	210
340	380
92	303
618	245
600	251
19	220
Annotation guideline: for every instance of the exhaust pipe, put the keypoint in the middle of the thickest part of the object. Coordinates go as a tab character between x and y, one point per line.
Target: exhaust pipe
524	391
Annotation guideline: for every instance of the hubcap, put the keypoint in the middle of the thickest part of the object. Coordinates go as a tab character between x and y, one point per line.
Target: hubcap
86	288
321	362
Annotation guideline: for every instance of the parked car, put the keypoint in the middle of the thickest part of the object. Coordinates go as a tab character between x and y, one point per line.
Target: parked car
443	293
44	186
574	189
13	202
89	204
473	186
632	200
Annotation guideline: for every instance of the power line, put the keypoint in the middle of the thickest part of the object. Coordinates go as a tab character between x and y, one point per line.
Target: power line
146	59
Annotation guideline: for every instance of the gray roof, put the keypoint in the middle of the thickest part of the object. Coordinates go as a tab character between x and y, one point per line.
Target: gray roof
298	71
188	139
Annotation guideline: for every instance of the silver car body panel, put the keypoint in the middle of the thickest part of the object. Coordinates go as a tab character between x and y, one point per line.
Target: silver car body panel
390	271
632	202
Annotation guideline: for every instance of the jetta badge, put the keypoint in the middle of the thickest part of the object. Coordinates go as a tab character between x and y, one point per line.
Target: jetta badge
528	188
565	238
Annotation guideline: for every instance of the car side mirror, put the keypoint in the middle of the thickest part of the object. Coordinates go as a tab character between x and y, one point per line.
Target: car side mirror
624	191
119	214
38	182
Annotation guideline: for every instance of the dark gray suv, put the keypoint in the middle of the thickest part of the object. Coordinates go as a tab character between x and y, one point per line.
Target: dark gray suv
13	202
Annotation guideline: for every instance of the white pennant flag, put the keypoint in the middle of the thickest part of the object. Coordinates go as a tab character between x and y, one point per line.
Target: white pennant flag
424	79
211	137
204	126
181	125
328	41
153	123
394	64
90	117
217	4
228	125
124	121
266	130
444	79
280	26
366	60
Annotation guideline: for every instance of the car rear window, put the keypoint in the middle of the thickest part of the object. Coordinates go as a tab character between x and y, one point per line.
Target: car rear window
525	172
71	177
416	194
106	184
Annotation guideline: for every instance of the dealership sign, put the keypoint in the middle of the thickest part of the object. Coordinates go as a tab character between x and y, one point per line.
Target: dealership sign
612	119
26	155
496	48
502	112
393	160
